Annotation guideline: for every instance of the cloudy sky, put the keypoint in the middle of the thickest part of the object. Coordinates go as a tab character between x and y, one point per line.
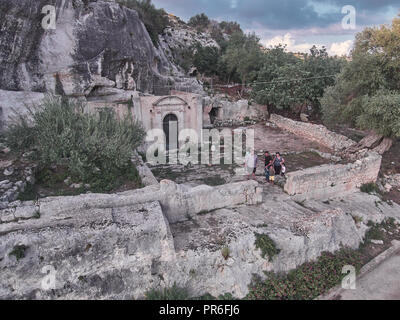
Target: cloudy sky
297	23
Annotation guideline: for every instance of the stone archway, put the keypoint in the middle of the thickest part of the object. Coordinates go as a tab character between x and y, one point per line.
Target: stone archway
170	127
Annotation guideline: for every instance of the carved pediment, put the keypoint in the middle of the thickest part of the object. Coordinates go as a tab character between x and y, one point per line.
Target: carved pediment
170	101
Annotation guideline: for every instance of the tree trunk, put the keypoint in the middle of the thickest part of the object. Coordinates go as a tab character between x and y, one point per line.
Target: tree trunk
385	146
374	142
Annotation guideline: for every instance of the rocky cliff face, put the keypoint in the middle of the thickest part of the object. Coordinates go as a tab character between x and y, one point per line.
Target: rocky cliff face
95	44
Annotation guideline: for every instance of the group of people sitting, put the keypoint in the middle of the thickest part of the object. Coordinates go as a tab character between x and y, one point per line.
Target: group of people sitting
273	165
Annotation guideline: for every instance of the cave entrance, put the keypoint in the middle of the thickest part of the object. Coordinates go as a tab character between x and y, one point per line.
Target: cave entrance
214	114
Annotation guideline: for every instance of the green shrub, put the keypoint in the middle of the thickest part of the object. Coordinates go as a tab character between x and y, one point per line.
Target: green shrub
94	148
376	230
370	188
225	252
267	246
199	21
173	293
309	280
19	251
20	134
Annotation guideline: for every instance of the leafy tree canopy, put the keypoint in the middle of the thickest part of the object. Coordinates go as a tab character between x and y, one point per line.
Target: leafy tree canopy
287	81
366	92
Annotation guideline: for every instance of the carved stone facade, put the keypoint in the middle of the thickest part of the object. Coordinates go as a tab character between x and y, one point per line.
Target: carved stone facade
157	112
184	108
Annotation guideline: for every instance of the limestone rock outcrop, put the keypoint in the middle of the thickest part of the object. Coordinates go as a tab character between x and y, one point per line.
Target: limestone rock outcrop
97	48
122	245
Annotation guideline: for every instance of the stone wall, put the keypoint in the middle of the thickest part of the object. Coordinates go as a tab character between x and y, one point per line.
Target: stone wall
317	133
331	180
233	113
179	203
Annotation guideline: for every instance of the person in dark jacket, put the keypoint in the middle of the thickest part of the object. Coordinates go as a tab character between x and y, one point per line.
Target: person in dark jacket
278	162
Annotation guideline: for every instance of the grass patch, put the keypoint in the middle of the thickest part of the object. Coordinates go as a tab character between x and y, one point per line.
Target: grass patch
19	252
370	188
267	246
376	231
207	296
165	173
308	281
357	219
173	293
225	252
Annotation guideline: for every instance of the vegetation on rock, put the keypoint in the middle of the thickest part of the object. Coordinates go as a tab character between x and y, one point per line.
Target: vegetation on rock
89	148
308	281
267	246
173	293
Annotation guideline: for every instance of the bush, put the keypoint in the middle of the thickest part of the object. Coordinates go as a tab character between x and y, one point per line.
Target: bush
309	280
173	293
370	188
225	252
93	148
19	252
20	134
267	246
199	21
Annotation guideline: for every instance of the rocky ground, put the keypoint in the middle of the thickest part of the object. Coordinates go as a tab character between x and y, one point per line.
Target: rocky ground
300	230
299	153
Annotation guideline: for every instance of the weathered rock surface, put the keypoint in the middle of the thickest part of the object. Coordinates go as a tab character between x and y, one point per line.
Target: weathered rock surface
119	246
329	180
16	101
94	253
97	45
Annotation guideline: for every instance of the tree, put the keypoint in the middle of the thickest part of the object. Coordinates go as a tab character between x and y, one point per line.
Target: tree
243	56
381	113
206	60
286	81
365	94
199	21
230	27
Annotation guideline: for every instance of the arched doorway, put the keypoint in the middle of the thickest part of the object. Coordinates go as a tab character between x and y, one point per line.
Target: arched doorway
170	127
